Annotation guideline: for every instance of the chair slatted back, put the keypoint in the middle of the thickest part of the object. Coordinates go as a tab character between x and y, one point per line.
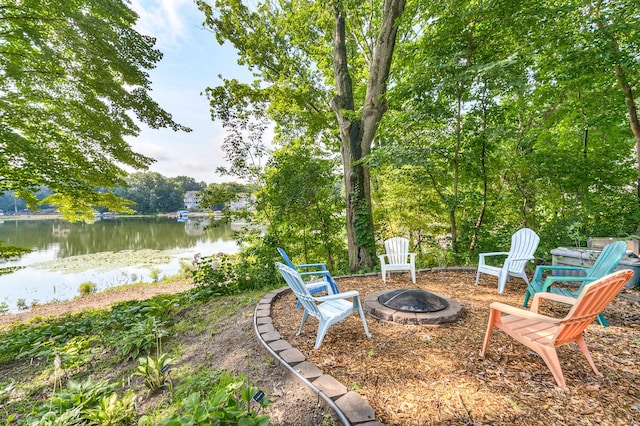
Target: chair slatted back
397	250
592	300
608	259
295	283
523	246
285	257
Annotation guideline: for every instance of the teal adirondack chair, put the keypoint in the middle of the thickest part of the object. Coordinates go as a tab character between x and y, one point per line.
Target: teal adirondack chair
605	264
320	271
328	309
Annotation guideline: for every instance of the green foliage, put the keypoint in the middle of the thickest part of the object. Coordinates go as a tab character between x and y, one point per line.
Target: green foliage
155	371
79	71
231	404
218	195
302	206
86	288
153	193
87	402
155	275
65	349
138	338
223	274
218	270
4	308
76	350
113	410
8	252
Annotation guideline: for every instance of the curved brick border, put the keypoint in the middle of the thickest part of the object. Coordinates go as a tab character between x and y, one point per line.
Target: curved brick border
349	406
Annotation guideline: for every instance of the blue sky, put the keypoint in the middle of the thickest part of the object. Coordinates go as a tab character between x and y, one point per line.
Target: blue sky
192	60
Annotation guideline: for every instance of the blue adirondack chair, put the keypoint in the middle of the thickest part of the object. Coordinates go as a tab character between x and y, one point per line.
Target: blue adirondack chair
328	309
319	270
605	264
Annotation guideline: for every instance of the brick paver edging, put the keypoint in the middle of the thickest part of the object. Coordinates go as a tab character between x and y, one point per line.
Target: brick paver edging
349	406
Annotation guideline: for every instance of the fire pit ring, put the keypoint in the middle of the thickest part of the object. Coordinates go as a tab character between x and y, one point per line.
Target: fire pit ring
406	313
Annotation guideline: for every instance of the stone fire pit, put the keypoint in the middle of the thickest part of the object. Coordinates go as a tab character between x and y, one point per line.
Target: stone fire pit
411	306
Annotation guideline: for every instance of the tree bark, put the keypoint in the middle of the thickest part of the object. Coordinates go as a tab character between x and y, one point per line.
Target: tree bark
357	132
623	81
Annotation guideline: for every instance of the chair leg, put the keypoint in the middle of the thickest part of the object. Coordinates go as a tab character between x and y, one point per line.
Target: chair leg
603	322
305	314
384	276
413	275
358	306
322	330
526	298
585	351
477	276
487	337
550	357
502	280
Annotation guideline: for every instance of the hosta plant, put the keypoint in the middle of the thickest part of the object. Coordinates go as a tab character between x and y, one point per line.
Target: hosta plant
154	370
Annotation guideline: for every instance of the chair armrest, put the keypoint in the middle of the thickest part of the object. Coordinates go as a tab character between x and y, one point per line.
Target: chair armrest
381	257
495	253
322	266
512	310
548	282
412	257
550	296
343	295
521	258
306	274
537	275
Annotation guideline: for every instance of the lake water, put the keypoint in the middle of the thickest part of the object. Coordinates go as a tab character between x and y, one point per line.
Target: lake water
108	253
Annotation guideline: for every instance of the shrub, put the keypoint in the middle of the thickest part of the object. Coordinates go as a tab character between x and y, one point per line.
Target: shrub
87	288
218	269
155	275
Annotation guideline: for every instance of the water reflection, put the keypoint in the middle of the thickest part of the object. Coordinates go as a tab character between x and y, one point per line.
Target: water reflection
133	233
55	240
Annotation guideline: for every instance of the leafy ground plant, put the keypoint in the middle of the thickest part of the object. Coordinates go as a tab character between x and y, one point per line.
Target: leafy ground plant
155	371
232	404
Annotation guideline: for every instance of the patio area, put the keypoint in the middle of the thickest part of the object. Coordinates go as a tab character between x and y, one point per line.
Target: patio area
432	374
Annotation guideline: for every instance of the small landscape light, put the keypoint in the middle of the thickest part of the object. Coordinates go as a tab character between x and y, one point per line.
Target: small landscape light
258	396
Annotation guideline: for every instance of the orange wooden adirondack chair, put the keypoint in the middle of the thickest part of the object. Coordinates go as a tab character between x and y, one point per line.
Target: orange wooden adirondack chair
543	334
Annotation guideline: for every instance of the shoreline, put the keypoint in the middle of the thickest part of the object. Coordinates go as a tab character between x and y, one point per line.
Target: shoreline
100	300
53	216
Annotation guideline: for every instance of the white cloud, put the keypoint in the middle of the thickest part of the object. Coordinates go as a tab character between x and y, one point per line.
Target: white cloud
192	60
163	19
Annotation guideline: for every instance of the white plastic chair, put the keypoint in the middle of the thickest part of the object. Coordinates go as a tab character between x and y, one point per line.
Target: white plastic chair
328	309
397	258
523	247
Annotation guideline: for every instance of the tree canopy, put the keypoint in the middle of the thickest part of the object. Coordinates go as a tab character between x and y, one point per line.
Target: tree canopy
496	115
73	86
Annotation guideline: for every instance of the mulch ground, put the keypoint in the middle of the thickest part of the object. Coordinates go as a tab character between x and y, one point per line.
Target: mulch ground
433	375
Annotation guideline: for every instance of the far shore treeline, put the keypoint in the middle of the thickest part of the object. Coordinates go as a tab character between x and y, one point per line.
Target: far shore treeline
150	192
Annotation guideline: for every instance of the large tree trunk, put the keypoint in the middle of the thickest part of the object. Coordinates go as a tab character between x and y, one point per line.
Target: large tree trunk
633	118
625	86
357	133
